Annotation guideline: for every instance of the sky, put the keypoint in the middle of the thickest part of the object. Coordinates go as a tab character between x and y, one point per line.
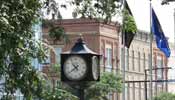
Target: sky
141	13
165	14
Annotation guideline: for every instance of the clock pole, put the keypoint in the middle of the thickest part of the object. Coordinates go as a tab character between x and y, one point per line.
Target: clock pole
81	93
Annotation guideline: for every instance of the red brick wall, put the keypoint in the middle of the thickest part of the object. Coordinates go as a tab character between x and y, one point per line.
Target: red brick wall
91	40
95	34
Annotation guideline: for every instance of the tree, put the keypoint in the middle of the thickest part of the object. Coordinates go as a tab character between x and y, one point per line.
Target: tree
60	94
165	96
55	32
99	9
108	83
60	91
18	48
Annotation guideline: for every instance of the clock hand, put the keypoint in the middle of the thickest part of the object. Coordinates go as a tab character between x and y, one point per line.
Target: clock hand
76	67
73	64
72	70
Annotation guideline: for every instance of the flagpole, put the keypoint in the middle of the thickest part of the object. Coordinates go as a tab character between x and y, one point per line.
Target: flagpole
151	52
123	51
174	28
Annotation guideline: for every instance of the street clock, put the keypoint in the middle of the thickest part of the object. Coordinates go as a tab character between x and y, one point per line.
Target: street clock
75	67
80	64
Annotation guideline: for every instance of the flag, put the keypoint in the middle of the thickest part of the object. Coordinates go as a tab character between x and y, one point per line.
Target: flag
160	38
128	35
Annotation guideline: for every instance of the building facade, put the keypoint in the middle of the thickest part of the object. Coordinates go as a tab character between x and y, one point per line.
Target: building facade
171	75
137	68
105	40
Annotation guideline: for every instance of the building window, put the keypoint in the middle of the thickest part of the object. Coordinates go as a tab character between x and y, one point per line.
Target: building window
127	59
108	56
144	64
57	55
18	95
36	64
115	57
133	65
133	91
126	91
102	59
148	61
140	90
159	65
48	59
139	65
110	96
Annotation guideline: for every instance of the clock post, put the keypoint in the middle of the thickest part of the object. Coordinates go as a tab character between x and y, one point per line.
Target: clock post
79	66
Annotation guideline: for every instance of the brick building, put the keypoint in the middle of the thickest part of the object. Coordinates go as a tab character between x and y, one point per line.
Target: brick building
101	38
105	40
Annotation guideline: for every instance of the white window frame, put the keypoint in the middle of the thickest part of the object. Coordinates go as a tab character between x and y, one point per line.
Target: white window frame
58	55
159	65
108	55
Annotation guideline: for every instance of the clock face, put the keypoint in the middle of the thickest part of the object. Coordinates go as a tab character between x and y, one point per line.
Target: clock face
75	68
95	70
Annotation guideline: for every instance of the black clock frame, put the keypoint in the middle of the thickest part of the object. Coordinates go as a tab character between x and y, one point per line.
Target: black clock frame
80	49
89	74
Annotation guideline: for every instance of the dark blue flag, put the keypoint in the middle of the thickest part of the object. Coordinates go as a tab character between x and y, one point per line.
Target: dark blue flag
161	40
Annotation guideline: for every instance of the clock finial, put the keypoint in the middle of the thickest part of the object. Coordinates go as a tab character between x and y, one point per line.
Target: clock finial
80	40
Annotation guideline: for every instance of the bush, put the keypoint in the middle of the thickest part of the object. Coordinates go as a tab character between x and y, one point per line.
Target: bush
165	96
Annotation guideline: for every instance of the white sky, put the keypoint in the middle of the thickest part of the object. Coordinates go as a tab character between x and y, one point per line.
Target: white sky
140	10
165	14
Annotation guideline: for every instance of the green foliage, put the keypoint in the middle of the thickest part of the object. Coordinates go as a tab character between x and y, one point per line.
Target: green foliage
108	83
55	32
53	8
59	92
129	23
165	96
100	9
58	33
18	47
105	10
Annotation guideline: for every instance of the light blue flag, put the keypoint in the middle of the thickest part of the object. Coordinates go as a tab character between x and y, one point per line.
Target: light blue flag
161	40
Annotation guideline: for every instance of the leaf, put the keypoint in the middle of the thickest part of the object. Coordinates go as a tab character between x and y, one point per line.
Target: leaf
107	84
